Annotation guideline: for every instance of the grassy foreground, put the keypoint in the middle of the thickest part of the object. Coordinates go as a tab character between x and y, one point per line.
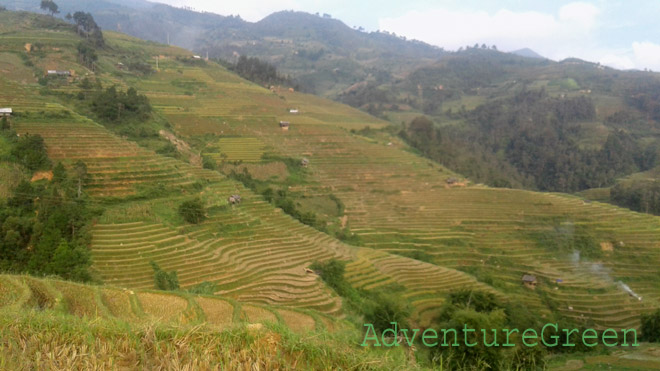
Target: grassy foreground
41	333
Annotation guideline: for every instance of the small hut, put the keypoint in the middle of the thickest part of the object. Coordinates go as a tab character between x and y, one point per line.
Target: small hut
284	125
234	199
6	112
452	181
529	281
304	162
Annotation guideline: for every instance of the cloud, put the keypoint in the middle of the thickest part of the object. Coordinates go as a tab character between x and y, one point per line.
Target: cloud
647	55
556	36
618	61
579	13
250	10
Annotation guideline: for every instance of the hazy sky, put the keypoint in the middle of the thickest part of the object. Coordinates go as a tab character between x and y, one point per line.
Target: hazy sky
621	34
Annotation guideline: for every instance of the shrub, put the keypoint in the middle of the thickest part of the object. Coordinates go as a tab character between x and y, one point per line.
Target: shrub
30	151
208	163
204	288
651	327
192	211
164	280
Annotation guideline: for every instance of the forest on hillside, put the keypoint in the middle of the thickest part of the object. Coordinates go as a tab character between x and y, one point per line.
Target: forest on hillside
530	140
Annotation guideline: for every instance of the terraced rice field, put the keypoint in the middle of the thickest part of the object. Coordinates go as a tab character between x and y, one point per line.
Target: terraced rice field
116	166
233	149
253	252
400	204
22	292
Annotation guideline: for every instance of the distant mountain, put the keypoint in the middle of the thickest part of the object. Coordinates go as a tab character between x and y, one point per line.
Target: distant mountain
528	53
323	54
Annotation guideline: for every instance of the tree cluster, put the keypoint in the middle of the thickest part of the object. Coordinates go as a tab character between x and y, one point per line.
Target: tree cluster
192	211
651	327
646	97
112	105
50	7
163	280
86	27
643	196
378	307
260	72
30	151
43	226
87	54
530	140
43	230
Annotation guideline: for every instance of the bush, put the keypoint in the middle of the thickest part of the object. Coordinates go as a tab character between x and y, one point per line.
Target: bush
30	151
379	307
208	163
164	280
651	327
385	307
112	105
192	211
204	288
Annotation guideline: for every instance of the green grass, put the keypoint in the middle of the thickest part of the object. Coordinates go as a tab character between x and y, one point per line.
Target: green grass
84	333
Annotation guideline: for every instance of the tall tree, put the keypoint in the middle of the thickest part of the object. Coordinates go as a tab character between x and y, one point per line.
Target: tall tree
80	168
87	27
50	7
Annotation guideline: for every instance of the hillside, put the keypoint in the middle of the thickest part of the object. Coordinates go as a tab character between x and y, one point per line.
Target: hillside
589	111
323	54
108	327
405	225
528	53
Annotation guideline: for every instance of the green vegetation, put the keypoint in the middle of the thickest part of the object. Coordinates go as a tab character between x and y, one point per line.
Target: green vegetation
44	231
258	71
281	198
30	151
651	327
378	307
112	106
50	7
167	281
424	232
87	28
47	323
643	196
508	151
192	211
44	224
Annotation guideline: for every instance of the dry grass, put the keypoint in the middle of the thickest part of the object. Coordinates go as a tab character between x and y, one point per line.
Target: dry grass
80	300
296	321
163	307
254	314
9	292
41	296
217	311
45	340
118	303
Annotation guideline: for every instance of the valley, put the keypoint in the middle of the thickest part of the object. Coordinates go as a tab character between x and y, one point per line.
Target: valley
400	222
